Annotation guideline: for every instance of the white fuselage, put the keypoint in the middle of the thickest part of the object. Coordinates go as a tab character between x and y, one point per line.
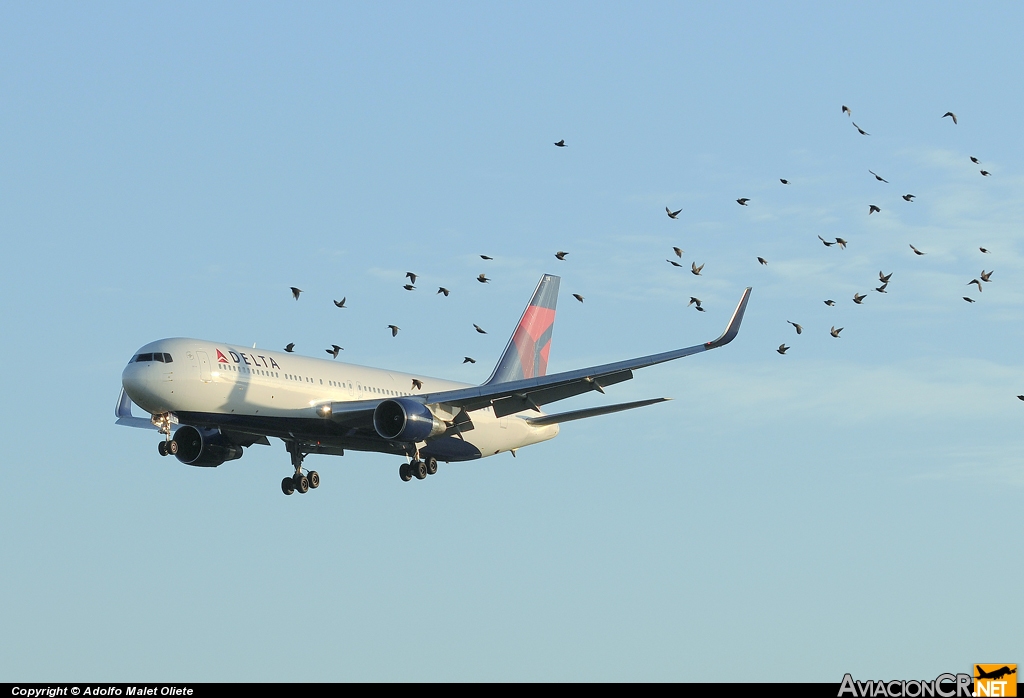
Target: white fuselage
279	394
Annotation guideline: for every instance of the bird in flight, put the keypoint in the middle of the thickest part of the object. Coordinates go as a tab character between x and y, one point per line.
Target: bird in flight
743	201
290	348
468	360
394	330
578	297
417	384
975	281
858	298
482	279
846	110
782	348
879	178
825	242
969	300
830	302
859	129
984	250
333	351
479	329
483	256
411	276
409	287
678	251
975	160
561	144
784	181
296	292
561	255
881	289
834	332
799	328
986	173
762	261
950	114
909	197
917	251
442	289
873	209
695	269
986	276
672	214
884	278
341	303
693	300
673	262
841	242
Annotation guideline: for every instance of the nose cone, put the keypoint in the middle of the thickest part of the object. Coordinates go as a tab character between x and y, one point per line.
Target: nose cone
147	385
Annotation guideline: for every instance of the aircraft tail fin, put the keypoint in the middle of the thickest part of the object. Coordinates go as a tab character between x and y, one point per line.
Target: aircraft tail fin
526	355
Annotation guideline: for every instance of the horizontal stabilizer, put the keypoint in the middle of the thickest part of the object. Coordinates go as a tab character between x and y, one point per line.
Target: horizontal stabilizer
590	412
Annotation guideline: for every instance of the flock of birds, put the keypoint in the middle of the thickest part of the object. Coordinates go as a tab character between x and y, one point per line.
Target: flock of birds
411	278
858	298
696	269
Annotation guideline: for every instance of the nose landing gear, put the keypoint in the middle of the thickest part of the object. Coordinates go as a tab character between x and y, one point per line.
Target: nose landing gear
163	422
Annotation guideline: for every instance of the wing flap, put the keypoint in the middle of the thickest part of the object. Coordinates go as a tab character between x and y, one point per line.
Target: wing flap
533	399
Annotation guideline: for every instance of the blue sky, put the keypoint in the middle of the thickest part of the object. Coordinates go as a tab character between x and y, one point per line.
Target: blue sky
170	170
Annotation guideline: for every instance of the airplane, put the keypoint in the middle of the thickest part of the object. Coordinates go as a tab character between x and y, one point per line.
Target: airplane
210	401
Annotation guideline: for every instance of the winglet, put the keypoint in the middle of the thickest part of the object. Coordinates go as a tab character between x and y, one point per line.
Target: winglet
124	405
733	328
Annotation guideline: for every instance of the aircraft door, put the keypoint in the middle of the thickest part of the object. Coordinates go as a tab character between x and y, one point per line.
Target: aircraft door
204	366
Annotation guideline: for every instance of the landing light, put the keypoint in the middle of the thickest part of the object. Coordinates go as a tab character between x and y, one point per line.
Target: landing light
325	410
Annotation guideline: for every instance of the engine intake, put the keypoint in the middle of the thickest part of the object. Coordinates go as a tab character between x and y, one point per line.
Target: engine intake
406	420
205	448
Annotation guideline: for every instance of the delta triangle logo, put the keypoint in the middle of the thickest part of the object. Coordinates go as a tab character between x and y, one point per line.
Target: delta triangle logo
221	359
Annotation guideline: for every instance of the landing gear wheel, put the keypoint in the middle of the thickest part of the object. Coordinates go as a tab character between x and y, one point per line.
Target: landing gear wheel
162	447
287	486
172	447
301	483
419	469
405	472
431	464
314	479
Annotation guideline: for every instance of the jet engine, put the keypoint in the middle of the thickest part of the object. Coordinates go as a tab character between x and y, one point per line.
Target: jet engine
206	448
406	420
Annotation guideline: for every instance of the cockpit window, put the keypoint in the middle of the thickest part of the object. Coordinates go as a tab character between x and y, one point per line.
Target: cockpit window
155	356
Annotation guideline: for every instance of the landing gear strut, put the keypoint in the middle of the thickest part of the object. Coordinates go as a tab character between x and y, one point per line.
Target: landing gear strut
167	447
417	468
298	482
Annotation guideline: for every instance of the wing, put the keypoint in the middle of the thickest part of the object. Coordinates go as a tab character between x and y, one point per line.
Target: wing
125	418
530	393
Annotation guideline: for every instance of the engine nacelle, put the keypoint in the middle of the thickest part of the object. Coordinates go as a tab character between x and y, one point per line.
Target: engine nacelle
206	448
406	420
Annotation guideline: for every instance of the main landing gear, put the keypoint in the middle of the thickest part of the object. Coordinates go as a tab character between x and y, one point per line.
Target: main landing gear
418	469
298	482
